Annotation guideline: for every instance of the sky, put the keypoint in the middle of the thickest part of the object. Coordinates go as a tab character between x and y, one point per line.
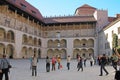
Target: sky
52	8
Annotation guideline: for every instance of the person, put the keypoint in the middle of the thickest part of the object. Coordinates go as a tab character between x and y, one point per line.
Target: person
34	65
59	62
114	59
31	62
91	61
98	60
103	62
47	64
68	62
118	54
80	64
117	75
84	60
53	63
4	68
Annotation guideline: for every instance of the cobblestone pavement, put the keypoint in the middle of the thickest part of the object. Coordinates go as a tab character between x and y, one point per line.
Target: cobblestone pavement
21	71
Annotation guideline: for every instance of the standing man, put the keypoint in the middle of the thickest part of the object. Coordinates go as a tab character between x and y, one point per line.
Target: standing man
68	62
4	68
34	65
80	64
103	61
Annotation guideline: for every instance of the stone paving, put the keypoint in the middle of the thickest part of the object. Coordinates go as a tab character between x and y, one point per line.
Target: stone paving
21	71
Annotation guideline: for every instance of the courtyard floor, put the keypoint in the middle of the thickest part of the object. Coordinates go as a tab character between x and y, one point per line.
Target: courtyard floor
21	71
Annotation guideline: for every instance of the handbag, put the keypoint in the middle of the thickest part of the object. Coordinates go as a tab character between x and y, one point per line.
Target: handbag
9	66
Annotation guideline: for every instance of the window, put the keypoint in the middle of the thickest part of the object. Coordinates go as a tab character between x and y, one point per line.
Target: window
112	32
106	36
33	12
107	45
23	6
118	30
58	34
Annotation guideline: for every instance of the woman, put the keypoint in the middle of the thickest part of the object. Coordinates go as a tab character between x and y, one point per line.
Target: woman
47	64
59	62
53	63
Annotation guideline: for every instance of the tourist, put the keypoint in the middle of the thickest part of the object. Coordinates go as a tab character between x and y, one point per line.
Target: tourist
4	68
47	64
114	59
91	61
53	63
68	62
80	64
34	65
59	62
103	62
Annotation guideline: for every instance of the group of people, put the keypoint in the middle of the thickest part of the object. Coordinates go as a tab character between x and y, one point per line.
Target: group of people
102	61
54	61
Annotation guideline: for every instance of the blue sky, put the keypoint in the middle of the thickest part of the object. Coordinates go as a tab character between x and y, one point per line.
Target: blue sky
67	7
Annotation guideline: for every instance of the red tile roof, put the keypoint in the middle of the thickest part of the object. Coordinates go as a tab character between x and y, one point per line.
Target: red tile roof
111	19
25	6
69	19
85	10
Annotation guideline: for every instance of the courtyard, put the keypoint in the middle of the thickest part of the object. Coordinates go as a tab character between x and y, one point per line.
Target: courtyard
21	71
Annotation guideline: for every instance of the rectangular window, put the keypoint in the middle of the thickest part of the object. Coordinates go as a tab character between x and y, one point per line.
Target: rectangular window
107	45
23	6
33	12
106	36
118	30
112	32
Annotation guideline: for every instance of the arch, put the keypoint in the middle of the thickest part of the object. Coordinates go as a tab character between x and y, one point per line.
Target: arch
35	51
50	43
35	41
30	40
39	53
84	53
30	52
76	43
90	43
76	52
2	49
24	52
2	34
57	43
91	52
63	43
56	52
39	42
63	53
10	50
84	42
24	39
50	53
10	36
